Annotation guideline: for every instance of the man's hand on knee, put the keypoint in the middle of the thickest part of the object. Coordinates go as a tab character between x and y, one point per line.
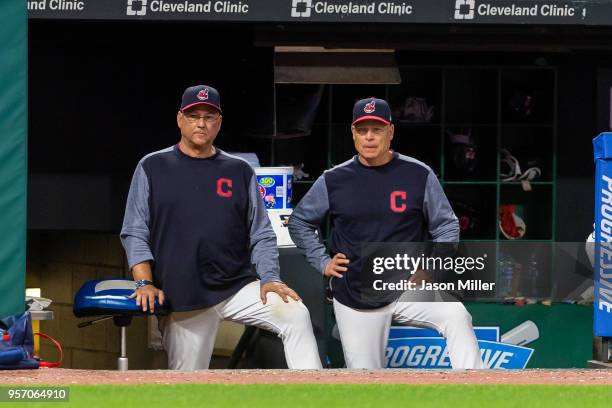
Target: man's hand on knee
280	289
145	296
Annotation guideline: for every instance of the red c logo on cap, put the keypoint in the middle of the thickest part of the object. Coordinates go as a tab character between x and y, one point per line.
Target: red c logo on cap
203	94
370	107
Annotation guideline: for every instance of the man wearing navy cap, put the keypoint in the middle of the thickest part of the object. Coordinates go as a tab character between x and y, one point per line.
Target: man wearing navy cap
379	196
194	227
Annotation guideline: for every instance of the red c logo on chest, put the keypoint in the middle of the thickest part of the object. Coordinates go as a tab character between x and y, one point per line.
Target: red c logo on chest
397	201
224	187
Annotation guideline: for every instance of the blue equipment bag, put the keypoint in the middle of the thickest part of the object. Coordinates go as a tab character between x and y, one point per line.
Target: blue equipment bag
17	343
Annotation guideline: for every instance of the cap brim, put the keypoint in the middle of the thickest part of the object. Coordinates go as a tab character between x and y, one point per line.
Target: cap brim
201	103
378	118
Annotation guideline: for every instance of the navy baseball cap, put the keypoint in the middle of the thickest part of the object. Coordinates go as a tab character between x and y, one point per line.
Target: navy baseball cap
201	95
372	108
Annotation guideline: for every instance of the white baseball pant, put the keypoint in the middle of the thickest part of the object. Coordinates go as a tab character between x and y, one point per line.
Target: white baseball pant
189	337
364	333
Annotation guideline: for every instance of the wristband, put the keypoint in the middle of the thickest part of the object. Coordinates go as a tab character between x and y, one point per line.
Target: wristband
143	282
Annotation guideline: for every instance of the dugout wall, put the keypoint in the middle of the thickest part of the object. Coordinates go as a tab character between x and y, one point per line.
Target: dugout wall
13	154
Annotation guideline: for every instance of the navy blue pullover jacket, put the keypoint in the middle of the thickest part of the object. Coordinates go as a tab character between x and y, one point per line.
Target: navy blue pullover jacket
400	201
201	223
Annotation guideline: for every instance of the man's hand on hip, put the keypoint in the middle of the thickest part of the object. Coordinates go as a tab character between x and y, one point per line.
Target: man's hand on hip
336	267
145	296
280	289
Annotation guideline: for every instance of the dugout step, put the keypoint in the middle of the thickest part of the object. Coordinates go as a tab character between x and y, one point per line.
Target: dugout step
598	364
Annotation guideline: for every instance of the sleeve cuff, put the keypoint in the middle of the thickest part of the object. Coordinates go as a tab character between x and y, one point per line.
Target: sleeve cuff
269	279
136	261
324	263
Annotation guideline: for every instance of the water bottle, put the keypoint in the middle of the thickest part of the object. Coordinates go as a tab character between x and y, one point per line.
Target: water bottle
532	272
506	271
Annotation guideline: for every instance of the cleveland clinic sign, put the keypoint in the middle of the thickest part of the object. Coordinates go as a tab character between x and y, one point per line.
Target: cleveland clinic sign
557	12
468	10
351	8
157	6
544	10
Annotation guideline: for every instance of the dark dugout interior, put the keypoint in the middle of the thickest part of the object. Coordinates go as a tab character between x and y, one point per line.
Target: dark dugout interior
104	94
